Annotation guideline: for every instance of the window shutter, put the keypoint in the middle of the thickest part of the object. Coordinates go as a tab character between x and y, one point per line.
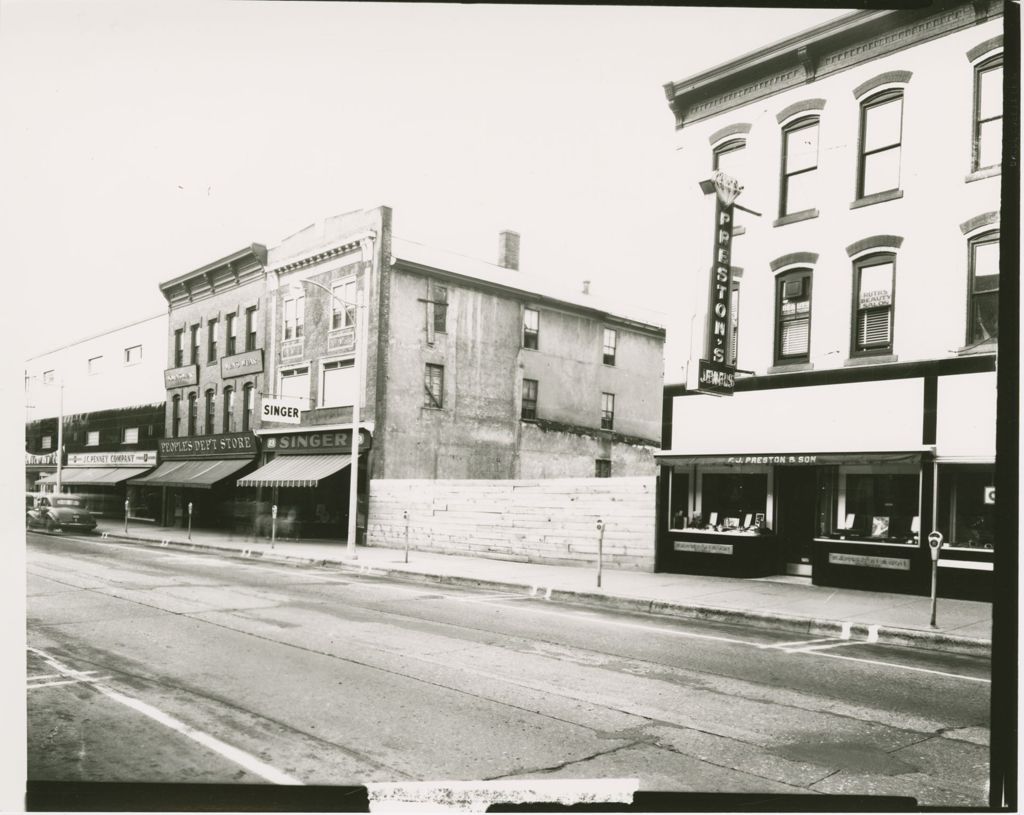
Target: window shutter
873	327
795	336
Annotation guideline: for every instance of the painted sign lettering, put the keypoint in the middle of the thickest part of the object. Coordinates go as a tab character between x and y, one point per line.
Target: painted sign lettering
225	445
178	377
139	458
325	441
703	548
274	410
248	362
716	375
901	564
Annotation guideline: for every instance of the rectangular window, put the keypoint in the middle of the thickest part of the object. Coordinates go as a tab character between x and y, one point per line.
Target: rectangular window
133	355
46	442
531	328
728	500
983	323
799	165
212	335
193	414
343	304
294	315
610	340
295	385
92	438
728	157
607	411
988	114
230	330
249	397
95	365
194	344
338	387
129	435
250	328
179	347
175	417
880	507
678	500
881	139
967	505
229	410
873	309
48	377
603	468
439	303
529	410
433	386
793	317
210	412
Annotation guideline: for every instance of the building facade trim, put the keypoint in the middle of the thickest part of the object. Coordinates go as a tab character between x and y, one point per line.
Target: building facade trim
983	48
728	130
978	221
874	242
799	107
793	258
887	78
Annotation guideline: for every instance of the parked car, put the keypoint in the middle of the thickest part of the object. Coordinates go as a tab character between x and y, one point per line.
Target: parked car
52	512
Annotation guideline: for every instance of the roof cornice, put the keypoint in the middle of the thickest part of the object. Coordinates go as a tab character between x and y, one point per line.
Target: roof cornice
825	49
323	253
253	252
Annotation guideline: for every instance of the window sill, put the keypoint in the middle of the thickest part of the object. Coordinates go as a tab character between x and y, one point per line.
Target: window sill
870	359
876	198
793	217
791	367
987	172
866	542
983	348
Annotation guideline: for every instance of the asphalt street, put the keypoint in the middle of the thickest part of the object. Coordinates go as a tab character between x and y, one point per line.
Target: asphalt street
154	664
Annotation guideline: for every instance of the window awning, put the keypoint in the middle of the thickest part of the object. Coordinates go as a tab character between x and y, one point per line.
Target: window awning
202	474
96	475
813	457
295	471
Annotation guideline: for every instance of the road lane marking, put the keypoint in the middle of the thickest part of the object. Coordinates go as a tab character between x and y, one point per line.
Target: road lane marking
833	644
33	685
233	754
793	644
894	665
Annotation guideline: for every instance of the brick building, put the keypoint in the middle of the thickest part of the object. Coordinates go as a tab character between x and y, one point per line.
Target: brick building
864	306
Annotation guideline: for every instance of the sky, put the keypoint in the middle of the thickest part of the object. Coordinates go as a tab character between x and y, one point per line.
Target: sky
144	139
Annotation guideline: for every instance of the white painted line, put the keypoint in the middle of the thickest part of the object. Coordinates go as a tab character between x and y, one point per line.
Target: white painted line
872	633
845	633
838	644
41	677
31	686
794	644
233	754
895	665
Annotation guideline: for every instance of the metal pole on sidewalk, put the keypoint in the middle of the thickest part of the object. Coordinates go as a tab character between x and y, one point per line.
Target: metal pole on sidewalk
190	520
273	525
600	549
126	516
934	543
405	514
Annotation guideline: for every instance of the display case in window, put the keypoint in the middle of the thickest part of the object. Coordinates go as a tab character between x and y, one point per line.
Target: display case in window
733	503
966	506
877	508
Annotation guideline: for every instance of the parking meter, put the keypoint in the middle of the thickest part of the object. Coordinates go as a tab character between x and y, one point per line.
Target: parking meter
934	544
126	515
273	511
600	549
190	520
273	525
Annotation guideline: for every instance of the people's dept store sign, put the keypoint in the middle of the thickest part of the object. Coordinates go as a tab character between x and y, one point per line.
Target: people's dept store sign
140	458
225	445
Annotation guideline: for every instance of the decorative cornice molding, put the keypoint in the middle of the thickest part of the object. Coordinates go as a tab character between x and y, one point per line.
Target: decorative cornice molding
799	107
808	258
874	242
344	246
978	221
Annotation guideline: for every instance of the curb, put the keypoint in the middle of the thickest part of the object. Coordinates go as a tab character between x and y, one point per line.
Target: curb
860	632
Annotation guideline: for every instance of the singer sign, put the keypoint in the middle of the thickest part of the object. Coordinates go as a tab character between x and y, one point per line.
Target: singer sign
720	374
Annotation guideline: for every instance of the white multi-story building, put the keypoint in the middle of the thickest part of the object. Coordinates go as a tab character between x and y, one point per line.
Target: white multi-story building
865	305
109	391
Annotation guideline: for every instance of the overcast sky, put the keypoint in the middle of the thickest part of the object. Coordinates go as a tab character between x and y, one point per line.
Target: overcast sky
141	140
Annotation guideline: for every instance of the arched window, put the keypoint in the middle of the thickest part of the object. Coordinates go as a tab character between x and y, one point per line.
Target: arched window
873	282
728	155
983	292
210	419
793	316
248	399
176	416
988	114
881	143
229	410
193	409
799	166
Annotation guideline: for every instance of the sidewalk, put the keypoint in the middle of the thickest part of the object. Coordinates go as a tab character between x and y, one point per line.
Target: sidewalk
964	627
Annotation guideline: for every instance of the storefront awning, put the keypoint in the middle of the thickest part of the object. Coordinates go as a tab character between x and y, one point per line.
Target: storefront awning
96	475
191	473
682	457
295	471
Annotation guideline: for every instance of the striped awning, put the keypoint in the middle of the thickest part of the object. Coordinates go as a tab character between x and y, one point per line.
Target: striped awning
96	475
200	474
295	471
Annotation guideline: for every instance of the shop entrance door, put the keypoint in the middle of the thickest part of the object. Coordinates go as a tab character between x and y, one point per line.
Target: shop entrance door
795	498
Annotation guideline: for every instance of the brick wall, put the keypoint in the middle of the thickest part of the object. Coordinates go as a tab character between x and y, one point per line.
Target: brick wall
538	521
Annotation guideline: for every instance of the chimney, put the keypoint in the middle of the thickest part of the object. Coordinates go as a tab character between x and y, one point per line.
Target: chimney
586	287
508	249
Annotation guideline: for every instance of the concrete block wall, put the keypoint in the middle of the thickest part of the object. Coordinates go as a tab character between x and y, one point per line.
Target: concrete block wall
535	521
